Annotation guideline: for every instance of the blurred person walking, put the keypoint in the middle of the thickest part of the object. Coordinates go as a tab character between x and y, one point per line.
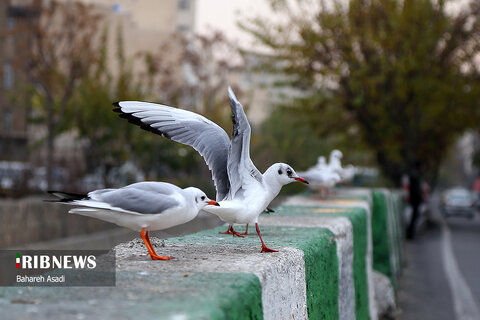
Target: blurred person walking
415	198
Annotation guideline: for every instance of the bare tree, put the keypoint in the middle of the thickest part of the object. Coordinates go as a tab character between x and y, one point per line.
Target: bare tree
62	48
193	71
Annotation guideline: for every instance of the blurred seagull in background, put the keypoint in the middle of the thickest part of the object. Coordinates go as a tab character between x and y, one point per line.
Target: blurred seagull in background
142	206
346	173
321	163
242	191
321	177
335	161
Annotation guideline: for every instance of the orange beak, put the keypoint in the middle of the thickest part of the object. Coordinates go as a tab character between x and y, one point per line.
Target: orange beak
213	203
301	180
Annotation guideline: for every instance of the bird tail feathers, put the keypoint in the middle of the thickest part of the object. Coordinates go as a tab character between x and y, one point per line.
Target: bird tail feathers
66	196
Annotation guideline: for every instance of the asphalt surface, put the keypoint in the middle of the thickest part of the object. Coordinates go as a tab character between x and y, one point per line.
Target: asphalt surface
441	278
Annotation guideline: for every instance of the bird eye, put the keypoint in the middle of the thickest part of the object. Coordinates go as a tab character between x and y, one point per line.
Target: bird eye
203	197
289	172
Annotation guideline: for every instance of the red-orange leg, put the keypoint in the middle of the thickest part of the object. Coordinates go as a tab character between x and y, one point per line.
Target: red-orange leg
264	247
229	230
151	251
246	231
232	232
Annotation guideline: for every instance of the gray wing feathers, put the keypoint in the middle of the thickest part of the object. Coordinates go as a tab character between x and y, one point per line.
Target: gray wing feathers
156	187
239	156
137	200
189	128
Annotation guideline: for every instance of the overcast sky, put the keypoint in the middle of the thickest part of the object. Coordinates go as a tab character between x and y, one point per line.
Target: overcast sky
223	15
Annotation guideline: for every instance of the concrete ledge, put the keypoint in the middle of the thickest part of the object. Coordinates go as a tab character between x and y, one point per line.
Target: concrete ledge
324	270
312	288
358	212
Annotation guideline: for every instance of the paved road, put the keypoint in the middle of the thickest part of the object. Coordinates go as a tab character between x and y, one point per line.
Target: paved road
441	279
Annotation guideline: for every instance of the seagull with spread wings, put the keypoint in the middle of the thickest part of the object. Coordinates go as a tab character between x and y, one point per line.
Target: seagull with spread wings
243	192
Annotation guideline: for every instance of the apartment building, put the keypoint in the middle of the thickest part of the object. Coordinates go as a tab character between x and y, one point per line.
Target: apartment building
13	110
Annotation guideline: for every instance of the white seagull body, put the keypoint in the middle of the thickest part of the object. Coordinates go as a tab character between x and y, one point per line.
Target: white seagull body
321	179
321	163
242	191
324	176
255	196
334	162
142	206
347	173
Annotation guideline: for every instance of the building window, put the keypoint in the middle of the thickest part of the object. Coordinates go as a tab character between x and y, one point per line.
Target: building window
7	120
10	23
183	28
184	4
117	8
7	75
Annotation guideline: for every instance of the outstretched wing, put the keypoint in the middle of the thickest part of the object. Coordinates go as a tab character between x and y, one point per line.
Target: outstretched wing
240	167
185	127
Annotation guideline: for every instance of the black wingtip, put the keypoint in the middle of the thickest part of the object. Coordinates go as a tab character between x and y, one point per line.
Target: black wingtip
65	196
117	107
138	122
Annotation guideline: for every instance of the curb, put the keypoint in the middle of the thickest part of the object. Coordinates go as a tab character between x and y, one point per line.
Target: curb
324	270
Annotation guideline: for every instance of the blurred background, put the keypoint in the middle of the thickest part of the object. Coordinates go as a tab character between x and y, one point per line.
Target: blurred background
394	84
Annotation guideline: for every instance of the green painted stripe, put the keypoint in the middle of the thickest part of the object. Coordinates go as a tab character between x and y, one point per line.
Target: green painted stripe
18	255
387	233
321	274
380	235
396	227
320	255
400	225
350	197
200	296
338	193
358	218
145	295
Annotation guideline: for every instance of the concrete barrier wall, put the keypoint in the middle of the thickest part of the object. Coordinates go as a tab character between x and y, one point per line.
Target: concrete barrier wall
31	220
36	224
388	229
325	269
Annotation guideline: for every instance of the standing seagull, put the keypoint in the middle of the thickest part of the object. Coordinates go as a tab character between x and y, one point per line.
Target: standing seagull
335	163
321	163
346	173
142	206
242	191
321	179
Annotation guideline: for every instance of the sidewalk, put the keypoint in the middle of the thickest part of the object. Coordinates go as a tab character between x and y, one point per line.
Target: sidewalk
440	278
423	288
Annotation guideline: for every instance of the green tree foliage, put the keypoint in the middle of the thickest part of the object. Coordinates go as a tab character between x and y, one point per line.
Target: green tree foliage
405	74
92	113
286	138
